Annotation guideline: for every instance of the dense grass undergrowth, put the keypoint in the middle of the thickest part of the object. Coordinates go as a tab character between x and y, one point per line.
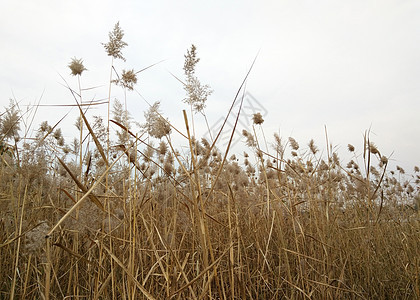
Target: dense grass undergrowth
128	216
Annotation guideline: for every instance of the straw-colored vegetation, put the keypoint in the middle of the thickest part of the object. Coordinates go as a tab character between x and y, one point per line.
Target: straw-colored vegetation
128	216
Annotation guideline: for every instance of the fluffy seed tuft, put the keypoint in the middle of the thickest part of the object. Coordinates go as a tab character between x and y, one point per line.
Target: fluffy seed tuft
76	66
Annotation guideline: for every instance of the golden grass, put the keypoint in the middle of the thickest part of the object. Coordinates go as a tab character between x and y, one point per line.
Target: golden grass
323	236
129	221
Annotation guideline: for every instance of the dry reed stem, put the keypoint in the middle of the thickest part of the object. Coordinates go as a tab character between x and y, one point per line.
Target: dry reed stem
138	284
95	139
17	253
181	267
202	273
85	196
81	186
198	207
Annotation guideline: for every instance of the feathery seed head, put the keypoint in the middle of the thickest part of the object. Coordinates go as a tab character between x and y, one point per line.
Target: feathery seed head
128	79
163	148
10	123
44	126
196	93
257	119
60	141
374	171
191	60
156	125
250	142
278	146
168	168
115	44
313	147
57	134
245	133
373	149
205	143
169	158
76	66
293	143
35	238
323	166
148	154
410	189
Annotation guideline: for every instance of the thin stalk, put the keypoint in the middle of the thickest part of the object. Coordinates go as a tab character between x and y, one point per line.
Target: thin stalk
17	253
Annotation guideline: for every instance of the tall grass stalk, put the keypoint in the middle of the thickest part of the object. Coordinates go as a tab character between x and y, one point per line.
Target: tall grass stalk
128	219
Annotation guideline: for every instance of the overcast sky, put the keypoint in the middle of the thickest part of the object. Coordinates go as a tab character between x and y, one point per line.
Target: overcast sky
347	65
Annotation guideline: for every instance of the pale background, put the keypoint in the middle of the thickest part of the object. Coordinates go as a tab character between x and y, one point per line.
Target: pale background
346	65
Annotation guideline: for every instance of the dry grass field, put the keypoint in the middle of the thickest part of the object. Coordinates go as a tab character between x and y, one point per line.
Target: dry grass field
129	216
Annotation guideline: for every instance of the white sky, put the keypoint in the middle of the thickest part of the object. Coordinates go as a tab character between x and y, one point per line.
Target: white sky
348	65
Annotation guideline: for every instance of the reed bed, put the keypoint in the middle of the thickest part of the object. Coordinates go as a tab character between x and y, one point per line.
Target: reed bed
131	217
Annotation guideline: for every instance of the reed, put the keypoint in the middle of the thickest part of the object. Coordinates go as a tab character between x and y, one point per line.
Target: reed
125	219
